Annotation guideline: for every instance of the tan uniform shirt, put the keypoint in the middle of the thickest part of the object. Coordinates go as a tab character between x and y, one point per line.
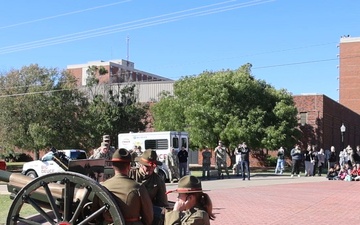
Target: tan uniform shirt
154	184
133	199
194	216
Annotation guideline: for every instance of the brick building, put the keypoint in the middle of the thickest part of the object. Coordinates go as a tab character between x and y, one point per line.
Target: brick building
349	73
119	71
320	119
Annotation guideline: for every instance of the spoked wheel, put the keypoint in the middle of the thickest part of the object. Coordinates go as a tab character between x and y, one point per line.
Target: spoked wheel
62	199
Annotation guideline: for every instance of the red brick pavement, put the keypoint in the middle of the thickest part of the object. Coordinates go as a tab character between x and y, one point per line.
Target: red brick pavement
329	202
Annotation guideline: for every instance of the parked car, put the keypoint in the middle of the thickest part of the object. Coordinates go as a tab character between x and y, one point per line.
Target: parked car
46	165
2	165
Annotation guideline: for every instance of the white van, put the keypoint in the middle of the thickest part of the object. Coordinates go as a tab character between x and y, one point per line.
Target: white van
161	142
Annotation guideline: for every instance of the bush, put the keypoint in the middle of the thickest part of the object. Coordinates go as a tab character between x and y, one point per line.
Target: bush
270	161
12	156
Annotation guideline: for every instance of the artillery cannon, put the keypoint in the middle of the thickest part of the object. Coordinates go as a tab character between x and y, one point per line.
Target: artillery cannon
63	198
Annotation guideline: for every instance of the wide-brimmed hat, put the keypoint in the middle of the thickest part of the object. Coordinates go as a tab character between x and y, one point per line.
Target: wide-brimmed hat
148	158
188	184
121	155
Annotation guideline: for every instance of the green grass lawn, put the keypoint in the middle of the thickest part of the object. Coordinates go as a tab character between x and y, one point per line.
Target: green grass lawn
5	203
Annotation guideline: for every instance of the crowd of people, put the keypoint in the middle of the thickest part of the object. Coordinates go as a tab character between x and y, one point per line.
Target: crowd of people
342	166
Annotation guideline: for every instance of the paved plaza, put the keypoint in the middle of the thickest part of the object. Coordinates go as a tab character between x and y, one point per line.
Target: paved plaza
269	199
272	200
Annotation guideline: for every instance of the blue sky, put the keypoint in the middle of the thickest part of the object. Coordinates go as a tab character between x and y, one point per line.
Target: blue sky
292	44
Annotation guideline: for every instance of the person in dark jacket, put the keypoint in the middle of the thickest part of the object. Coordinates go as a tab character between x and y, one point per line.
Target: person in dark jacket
296	157
245	166
332	158
183	161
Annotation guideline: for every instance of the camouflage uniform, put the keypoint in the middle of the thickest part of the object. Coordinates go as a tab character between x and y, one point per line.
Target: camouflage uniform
207	155
173	164
220	154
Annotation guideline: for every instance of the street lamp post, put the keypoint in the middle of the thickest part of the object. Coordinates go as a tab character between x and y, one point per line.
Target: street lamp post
342	130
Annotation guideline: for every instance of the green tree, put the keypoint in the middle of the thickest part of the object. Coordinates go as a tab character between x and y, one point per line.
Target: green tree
229	105
40	108
113	109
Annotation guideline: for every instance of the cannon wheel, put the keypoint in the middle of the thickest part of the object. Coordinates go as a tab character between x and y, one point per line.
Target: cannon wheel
66	213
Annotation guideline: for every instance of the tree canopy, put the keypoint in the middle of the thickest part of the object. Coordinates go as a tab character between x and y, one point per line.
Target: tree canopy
40	108
43	107
231	106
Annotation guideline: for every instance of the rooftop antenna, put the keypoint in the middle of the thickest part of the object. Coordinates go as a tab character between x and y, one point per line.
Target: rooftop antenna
127	48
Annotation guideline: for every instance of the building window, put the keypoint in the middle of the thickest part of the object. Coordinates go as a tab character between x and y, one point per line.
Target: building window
303	118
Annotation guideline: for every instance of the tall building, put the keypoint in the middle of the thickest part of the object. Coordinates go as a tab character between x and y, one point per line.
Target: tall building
349	73
119	71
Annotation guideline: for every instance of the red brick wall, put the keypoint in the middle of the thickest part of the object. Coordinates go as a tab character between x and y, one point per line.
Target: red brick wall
349	70
325	116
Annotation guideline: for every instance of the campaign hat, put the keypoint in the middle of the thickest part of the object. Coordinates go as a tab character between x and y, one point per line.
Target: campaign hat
148	158
121	155
188	184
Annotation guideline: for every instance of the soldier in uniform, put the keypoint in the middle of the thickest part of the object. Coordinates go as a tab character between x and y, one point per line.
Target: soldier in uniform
102	152
133	198
106	138
193	206
145	175
220	157
206	155
173	164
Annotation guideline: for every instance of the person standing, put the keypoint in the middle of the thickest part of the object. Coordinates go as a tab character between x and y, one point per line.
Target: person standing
309	162
280	161
356	156
245	163
296	158
133	199
316	160
102	152
106	138
145	175
183	158
332	158
237	165
206	162
173	164
220	158
321	160
193	206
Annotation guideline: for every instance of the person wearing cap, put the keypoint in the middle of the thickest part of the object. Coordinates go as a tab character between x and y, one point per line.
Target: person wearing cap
133	199
220	158
206	162
106	138
145	175
102	152
193	206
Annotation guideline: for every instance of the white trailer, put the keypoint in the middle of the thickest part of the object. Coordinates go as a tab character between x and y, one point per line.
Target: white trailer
161	142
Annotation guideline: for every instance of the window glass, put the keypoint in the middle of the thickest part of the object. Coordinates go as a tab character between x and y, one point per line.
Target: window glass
156	144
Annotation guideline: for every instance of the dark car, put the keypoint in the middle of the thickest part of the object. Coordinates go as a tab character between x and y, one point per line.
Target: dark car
2	165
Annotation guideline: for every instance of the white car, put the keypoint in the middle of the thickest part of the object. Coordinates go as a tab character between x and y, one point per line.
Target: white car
46	165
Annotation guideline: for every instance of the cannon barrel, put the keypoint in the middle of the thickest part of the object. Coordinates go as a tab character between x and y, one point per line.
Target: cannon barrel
16	181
